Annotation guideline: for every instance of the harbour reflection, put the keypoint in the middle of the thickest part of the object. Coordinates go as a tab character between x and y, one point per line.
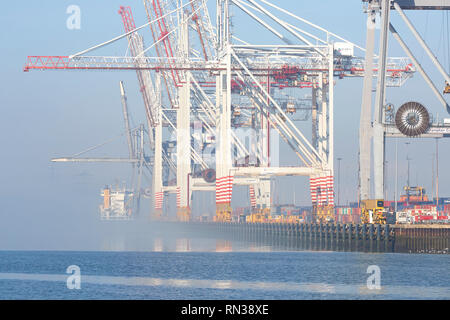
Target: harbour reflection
158	245
223	246
183	245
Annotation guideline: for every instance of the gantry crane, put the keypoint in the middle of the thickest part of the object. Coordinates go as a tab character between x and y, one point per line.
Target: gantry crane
207	87
372	203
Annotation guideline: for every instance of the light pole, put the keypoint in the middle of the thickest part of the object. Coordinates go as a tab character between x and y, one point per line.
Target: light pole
407	159
396	175
339	180
407	181
437	172
384	179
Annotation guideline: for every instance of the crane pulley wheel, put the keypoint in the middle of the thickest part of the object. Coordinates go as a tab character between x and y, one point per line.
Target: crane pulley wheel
412	119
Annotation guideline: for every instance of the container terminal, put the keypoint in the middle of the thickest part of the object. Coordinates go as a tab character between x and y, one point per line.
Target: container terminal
219	109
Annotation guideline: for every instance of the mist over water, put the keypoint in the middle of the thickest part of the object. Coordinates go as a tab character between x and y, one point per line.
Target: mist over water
139	259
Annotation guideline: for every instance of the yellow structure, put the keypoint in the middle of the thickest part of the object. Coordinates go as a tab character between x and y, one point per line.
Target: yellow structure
259	216
284	219
223	212
184	214
373	211
292	219
414	194
324	213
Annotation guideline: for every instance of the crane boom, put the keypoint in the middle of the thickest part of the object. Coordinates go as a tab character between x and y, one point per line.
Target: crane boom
136	45
127	121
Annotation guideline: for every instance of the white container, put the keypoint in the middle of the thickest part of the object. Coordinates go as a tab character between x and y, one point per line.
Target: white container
344	48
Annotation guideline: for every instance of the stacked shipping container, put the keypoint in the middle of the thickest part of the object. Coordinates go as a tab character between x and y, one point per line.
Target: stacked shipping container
348	215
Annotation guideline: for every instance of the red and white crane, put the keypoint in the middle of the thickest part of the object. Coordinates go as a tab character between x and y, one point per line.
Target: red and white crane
210	84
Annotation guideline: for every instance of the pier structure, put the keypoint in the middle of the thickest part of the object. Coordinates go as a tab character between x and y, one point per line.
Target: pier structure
332	237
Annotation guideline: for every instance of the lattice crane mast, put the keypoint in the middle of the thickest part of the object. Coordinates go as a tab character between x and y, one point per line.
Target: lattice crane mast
136	45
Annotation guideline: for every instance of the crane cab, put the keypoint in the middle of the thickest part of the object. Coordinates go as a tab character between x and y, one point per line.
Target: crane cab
290	107
447	88
373	211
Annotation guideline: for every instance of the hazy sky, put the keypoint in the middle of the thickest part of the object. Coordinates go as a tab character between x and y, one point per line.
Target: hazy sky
54	113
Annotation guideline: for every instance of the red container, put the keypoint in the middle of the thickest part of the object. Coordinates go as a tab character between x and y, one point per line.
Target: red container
424	218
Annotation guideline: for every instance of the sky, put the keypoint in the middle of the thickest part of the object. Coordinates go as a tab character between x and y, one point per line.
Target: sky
53	113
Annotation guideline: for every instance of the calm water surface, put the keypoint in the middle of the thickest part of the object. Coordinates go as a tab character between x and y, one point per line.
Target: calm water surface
221	270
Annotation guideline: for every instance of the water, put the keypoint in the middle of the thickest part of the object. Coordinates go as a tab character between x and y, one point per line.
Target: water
211	273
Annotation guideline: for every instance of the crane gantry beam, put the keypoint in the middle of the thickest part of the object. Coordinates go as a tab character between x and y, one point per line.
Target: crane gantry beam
398	69
422	4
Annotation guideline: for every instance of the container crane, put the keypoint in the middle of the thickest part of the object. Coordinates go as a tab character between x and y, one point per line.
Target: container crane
289	65
372	204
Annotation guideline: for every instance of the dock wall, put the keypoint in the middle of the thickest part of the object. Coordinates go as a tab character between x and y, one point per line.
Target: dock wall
333	237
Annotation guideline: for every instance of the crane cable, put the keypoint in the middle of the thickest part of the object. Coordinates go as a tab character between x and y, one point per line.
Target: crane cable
425	33
448	42
100	145
444	39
